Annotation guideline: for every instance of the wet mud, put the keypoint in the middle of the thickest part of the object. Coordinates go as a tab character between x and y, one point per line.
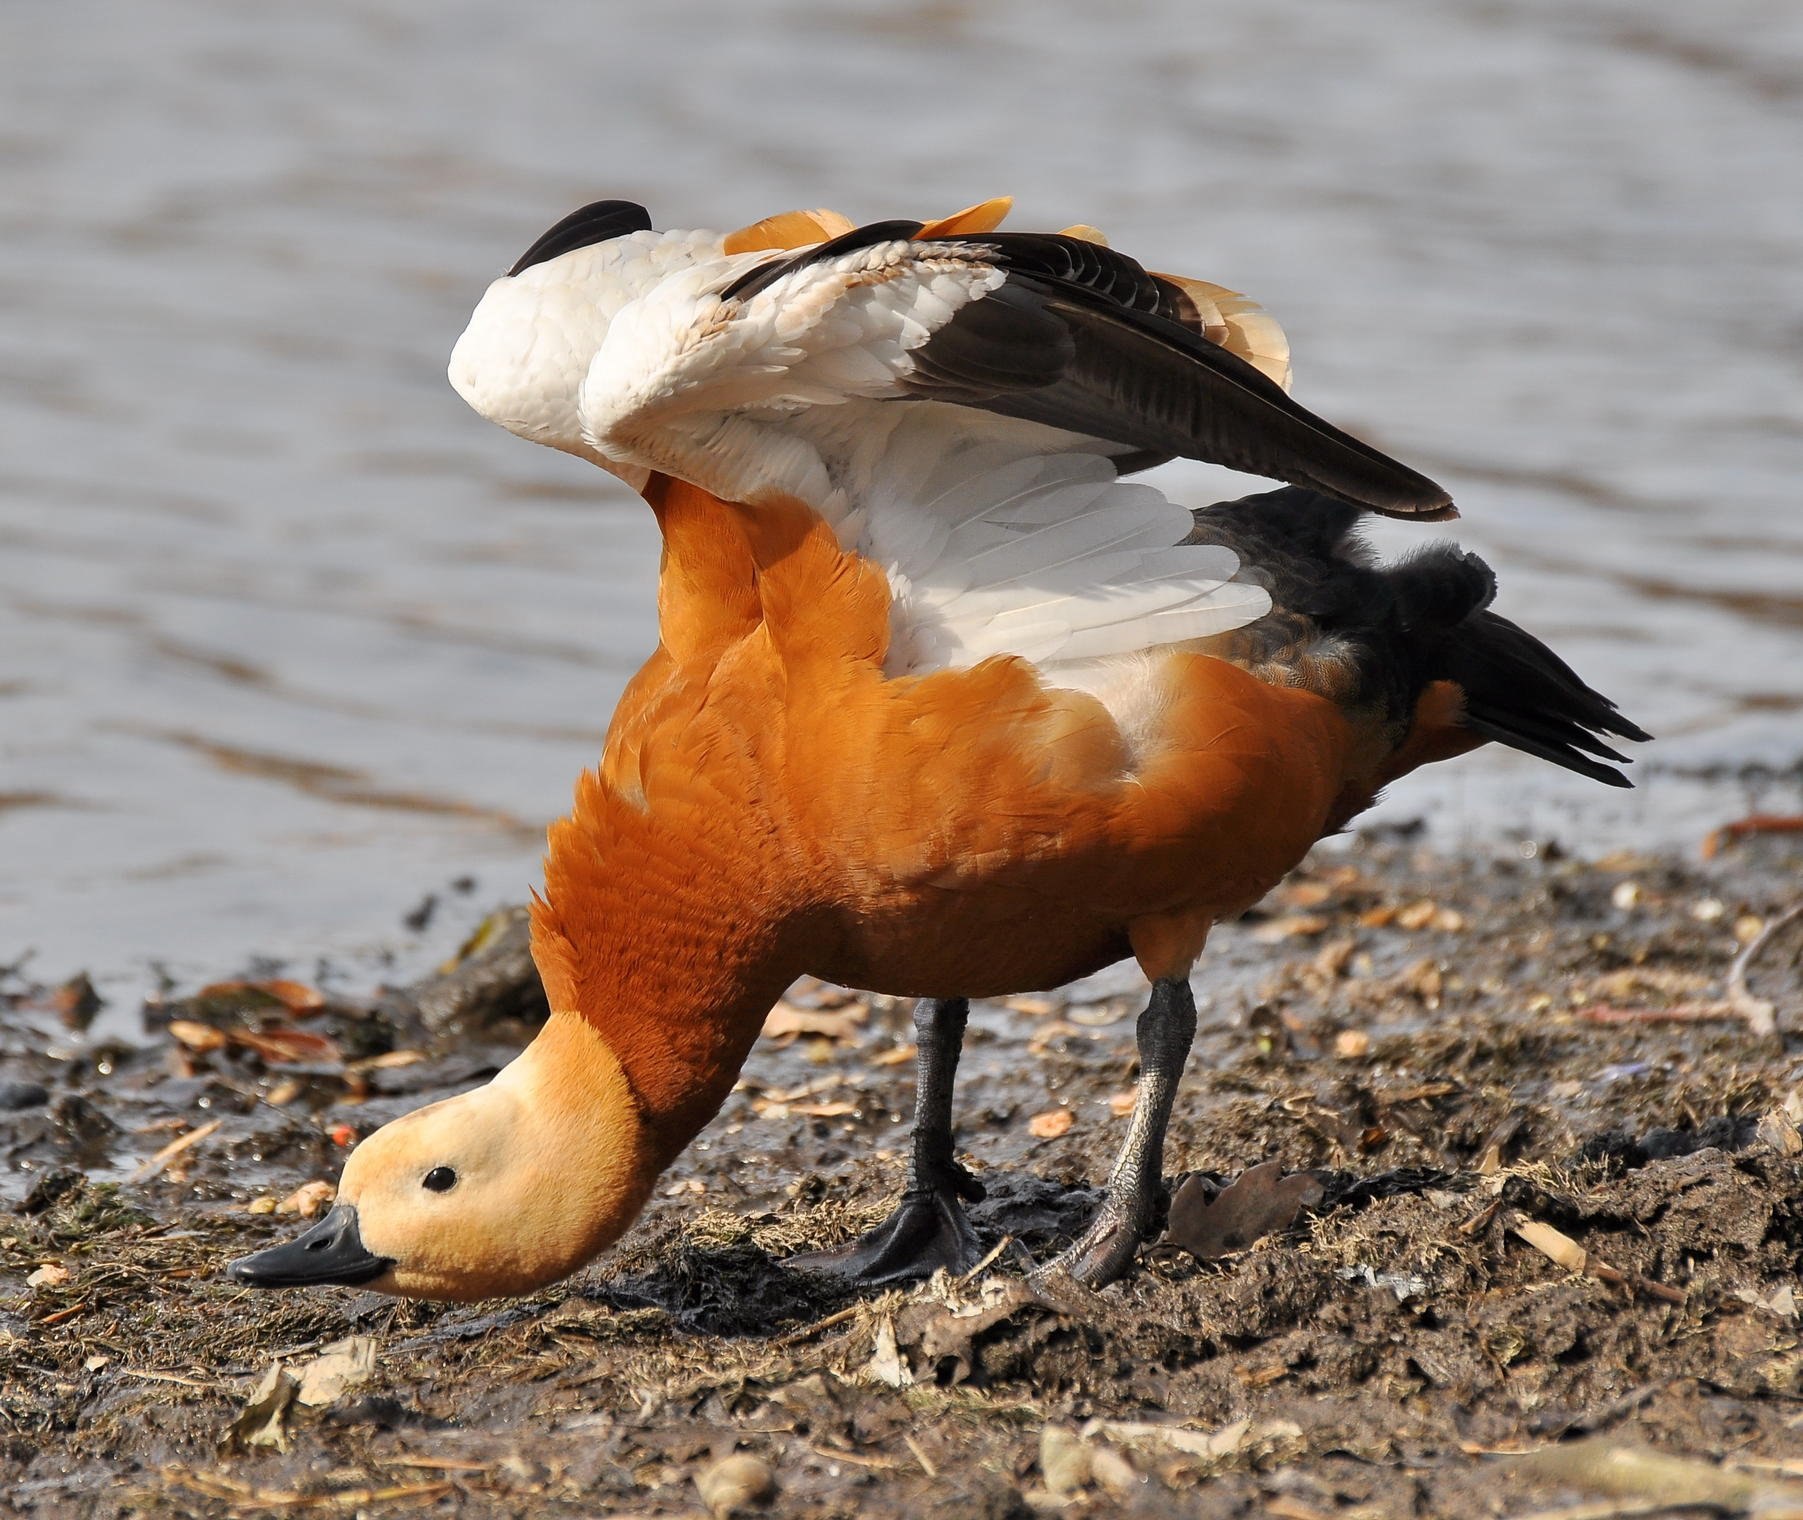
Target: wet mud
1548	1111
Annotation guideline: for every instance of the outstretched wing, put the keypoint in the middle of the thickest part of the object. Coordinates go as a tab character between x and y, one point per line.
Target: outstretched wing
1049	329
960	403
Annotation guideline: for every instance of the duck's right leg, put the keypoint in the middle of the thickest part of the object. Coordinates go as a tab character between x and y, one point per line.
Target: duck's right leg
929	1228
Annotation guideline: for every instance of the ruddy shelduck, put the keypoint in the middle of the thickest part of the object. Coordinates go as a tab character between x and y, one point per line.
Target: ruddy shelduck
943	706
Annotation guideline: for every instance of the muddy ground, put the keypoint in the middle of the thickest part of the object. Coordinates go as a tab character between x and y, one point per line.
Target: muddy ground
1490	1068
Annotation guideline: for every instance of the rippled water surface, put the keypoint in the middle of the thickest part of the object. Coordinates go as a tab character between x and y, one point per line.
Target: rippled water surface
288	638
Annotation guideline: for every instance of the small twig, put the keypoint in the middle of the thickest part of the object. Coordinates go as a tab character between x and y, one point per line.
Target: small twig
1601	1509
1560	1248
168	1377
173	1149
832	1454
1753	823
795	1337
1679	1013
926	1463
275	1498
986	1263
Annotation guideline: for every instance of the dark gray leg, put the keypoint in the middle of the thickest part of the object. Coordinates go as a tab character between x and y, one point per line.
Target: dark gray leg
928	1229
1135	1204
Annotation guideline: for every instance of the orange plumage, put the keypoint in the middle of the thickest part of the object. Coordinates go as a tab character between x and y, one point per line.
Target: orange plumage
1168	728
771	804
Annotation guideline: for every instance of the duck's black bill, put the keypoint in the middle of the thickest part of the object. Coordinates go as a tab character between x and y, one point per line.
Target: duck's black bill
331	1252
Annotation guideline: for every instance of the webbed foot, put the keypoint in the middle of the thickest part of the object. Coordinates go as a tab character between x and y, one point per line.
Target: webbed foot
928	1230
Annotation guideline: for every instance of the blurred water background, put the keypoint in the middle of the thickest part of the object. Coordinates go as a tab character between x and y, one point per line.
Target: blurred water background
289	639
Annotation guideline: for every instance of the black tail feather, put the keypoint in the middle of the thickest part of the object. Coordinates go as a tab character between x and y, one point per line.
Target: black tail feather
1519	693
1403	626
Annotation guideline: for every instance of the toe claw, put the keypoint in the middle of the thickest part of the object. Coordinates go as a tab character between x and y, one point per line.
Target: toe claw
1103	1252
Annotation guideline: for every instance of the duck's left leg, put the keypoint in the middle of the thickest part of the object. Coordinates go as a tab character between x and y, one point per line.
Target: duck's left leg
1134	1208
929	1228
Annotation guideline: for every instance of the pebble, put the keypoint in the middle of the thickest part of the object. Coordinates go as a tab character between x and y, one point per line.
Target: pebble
1064	1460
15	1096
736	1483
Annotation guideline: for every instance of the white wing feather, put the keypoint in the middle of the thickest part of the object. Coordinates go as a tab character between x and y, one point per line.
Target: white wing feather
997	536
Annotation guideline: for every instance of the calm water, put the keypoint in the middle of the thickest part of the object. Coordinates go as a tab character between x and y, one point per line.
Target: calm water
288	638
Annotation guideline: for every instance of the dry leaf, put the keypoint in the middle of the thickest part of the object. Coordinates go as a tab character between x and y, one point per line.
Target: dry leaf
1351	1044
197	1036
389	1060
263	1420
1259	1202
309	1200
1050	1033
1605	1465
1211	1445
1064	1460
1051	1124
886	1365
296	997
1304	894
1114	1472
76	1002
337	1369
1417	915
939	1342
736	1483
1103	1015
51	1275
787	1019
287	1045
1292	926
1120	1104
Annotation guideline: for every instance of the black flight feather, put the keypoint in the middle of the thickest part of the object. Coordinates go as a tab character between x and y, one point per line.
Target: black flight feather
1105	348
597	222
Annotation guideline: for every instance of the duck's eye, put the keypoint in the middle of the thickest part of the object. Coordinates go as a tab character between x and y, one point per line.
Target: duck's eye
441	1179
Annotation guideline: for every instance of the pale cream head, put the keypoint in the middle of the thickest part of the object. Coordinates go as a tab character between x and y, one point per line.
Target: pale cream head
497	1191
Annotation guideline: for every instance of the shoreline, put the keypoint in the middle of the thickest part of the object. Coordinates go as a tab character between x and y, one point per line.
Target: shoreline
1475	1057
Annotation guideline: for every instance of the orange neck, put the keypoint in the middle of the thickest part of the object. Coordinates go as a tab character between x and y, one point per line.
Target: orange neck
667	942
672	917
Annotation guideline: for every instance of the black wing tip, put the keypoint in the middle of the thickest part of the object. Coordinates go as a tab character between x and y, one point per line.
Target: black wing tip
597	222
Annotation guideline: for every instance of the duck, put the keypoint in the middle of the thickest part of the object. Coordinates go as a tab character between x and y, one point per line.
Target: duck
946	703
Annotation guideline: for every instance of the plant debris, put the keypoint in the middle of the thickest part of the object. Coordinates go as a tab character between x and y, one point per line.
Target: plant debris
1211	1223
1440	1214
